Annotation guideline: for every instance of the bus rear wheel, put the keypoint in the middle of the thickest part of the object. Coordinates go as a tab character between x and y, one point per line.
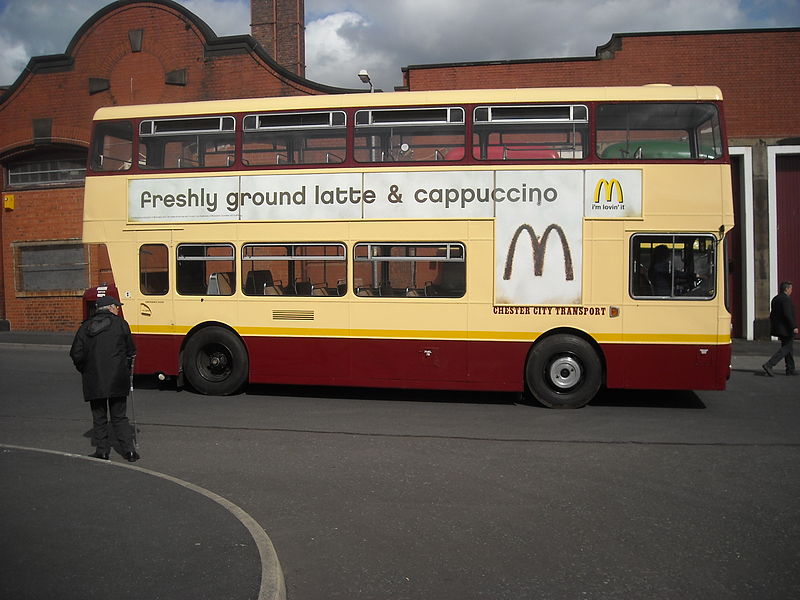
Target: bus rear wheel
563	371
215	362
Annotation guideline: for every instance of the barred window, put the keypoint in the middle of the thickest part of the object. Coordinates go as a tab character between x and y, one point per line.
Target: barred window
51	267
49	172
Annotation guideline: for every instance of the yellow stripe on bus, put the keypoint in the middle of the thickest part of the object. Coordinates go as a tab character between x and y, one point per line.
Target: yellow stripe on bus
506	336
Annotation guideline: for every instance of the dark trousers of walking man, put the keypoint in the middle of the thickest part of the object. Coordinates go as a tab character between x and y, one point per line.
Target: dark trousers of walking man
116	409
783	325
785	352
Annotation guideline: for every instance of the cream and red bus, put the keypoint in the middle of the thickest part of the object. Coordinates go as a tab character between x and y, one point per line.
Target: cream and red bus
545	240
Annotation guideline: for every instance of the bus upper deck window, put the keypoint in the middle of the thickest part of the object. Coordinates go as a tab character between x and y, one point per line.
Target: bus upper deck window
410	134
530	132
658	131
295	138
187	143
112	148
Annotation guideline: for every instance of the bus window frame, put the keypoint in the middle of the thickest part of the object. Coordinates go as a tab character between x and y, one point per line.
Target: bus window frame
206	258
332	126
229	135
275	287
672	239
381	265
693	136
386	130
143	274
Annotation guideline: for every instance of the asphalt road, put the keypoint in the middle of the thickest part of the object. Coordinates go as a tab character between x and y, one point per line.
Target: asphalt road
371	494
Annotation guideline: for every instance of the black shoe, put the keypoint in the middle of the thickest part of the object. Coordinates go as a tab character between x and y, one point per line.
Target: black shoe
767	370
131	456
100	455
791	373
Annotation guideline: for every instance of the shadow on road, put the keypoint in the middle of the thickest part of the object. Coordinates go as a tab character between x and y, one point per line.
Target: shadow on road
637	398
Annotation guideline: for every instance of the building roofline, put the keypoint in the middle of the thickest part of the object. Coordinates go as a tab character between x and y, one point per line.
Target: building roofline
601	52
213	44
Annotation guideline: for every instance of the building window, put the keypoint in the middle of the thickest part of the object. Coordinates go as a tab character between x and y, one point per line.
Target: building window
50	267
51	171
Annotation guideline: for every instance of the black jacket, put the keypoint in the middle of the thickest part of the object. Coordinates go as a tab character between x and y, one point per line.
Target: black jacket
101	351
782	322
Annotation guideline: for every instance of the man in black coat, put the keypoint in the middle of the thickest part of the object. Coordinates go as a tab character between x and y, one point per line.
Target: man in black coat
103	351
783	325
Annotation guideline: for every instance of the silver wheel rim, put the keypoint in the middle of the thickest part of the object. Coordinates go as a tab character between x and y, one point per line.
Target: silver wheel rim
565	372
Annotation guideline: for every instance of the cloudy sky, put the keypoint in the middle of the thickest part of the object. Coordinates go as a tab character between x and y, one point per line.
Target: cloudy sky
344	36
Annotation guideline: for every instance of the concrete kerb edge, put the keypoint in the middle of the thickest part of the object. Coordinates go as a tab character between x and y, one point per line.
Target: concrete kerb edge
273	586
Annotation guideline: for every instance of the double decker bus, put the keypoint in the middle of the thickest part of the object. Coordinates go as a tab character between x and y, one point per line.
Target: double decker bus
545	240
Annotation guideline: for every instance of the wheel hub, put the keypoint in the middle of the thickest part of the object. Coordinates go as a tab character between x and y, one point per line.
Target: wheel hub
565	372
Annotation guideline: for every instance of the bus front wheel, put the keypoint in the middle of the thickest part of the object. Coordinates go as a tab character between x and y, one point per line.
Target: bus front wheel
563	371
215	362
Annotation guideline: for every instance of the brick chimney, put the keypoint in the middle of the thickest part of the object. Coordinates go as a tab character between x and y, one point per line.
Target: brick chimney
279	26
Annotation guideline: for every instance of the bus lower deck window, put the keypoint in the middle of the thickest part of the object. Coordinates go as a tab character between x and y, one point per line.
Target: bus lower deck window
410	270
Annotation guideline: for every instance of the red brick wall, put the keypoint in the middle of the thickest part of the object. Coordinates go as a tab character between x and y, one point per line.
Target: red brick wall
172	40
758	72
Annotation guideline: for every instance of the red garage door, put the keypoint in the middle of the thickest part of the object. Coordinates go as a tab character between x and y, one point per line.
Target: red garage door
788	218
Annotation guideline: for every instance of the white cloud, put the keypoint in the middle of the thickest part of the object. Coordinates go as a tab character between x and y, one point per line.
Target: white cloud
335	55
15	57
225	17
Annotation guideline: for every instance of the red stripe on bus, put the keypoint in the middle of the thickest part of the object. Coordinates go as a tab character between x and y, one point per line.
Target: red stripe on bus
437	364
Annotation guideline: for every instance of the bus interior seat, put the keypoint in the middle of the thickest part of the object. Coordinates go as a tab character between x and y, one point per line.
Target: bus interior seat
259	282
341	287
453	153
320	289
303	288
219	284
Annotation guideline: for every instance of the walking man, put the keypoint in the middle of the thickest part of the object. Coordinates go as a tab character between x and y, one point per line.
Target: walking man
103	352
783	325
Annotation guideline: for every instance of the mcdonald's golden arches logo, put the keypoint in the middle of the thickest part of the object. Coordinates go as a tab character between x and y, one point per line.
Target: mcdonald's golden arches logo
609	187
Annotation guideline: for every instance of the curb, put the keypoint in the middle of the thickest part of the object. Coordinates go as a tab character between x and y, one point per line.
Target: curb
273	586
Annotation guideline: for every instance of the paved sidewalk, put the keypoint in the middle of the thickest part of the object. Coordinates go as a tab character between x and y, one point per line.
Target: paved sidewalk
77	527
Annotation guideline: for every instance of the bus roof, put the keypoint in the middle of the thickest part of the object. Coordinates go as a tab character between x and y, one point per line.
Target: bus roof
650	92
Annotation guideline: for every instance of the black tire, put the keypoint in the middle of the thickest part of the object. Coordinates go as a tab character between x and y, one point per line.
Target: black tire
215	362
563	371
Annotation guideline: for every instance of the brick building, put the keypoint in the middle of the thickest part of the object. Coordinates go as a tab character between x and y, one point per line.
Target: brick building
129	52
156	51
759	74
